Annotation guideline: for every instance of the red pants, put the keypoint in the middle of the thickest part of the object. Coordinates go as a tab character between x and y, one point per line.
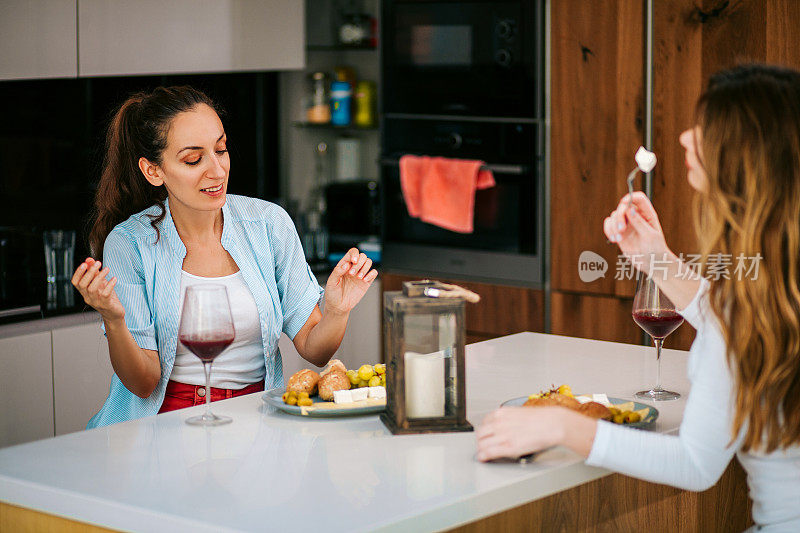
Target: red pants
181	395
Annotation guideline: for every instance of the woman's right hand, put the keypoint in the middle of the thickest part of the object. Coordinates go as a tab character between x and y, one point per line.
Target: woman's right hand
636	230
97	291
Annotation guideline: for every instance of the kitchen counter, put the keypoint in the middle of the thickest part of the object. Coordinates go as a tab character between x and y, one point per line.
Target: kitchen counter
272	471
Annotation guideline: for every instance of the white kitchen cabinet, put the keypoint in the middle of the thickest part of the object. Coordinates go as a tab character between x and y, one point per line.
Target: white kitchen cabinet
38	39
119	37
361	343
82	374
26	388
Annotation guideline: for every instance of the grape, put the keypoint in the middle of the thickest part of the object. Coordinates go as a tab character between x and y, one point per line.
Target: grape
374	381
352	375
363	383
380	368
565	390
366	372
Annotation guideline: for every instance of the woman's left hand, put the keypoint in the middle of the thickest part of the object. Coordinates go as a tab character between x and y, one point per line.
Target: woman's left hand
349	281
517	431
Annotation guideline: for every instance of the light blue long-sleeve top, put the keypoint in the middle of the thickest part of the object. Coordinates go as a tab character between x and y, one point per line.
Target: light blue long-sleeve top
261	238
696	458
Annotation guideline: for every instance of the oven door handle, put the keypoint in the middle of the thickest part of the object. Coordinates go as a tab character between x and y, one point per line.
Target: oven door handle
516	170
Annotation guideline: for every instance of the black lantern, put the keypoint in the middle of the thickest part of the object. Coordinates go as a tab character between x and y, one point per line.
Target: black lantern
424	338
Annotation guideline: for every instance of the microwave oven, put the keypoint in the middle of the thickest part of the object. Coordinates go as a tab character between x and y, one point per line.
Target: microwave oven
463	58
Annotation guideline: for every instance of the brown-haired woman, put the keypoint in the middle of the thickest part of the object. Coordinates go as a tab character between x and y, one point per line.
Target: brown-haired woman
165	222
743	159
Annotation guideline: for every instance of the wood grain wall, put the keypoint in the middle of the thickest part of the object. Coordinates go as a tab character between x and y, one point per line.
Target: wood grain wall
597	110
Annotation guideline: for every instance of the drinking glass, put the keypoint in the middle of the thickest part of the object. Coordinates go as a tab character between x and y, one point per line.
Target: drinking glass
206	329
655	314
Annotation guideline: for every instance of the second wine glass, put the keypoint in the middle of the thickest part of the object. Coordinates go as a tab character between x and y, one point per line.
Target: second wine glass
655	314
206	329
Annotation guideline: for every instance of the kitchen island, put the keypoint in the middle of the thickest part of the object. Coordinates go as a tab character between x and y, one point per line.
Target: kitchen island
269	471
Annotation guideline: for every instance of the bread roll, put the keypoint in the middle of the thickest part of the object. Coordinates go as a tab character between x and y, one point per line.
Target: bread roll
303	381
331	382
333	364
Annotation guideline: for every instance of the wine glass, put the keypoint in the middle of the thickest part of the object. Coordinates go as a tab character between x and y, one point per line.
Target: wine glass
655	314
206	329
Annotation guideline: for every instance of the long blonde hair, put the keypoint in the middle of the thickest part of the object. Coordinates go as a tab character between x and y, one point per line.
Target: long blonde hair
749	118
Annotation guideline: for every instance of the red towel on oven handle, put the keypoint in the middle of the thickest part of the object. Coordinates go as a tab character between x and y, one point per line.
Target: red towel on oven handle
441	191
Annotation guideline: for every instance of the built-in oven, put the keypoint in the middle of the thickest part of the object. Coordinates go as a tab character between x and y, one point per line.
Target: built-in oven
507	241
462	57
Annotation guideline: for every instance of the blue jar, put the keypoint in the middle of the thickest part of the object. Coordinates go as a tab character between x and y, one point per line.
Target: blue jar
341	98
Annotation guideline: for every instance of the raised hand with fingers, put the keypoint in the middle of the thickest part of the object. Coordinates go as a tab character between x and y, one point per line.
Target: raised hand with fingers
637	229
349	281
97	291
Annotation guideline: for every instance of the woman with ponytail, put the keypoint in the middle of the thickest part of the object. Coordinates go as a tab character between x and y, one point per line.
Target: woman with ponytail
163	221
743	160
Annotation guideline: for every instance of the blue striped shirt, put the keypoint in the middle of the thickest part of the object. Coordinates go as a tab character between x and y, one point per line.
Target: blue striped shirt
261	238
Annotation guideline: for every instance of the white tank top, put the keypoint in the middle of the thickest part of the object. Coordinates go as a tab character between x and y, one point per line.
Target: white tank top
242	363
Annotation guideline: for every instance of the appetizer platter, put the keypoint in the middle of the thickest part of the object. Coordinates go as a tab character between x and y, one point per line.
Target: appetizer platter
624	412
334	392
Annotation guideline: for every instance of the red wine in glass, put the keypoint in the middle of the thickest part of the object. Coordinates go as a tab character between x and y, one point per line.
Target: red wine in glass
206	330
207	349
658	325
656	315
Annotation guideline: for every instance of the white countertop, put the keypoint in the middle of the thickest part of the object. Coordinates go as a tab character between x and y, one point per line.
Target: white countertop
272	471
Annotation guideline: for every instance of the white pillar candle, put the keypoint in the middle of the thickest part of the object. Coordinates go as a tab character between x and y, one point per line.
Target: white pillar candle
424	376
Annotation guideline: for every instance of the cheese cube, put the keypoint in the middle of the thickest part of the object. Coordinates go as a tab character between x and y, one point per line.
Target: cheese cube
377	392
601	398
342	396
645	159
359	394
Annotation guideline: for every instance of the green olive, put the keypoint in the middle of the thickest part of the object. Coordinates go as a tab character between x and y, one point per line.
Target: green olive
304	402
291	400
302	396
618	419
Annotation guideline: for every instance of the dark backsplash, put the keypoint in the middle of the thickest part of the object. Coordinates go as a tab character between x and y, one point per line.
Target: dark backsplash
51	150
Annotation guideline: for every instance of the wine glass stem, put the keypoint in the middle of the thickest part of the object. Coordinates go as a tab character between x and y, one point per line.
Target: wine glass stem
658	343
207	370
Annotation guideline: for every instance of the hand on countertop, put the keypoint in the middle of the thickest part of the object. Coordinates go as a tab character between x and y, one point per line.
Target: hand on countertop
97	291
349	281
517	431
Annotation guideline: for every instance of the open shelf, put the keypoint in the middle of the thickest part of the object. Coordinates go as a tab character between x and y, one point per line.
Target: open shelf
311	125
340	47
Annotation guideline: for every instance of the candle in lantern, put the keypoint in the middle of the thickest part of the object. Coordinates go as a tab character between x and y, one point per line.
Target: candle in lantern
424	377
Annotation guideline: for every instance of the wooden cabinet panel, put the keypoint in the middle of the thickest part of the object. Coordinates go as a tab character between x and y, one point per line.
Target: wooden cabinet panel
690	44
26	388
503	309
597	123
605	318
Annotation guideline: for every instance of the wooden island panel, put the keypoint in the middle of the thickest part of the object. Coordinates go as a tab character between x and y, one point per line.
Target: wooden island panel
618	504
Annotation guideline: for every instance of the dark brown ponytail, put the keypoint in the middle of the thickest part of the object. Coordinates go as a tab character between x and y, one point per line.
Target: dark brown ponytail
138	129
